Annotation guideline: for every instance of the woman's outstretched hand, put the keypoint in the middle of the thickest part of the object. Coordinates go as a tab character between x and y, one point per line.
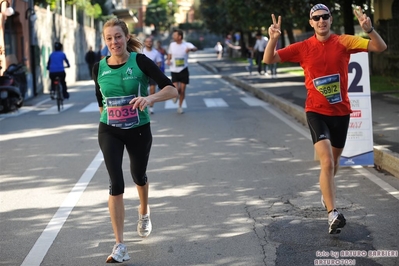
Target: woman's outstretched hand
140	103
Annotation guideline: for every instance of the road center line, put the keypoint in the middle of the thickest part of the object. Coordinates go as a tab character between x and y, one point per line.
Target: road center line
46	239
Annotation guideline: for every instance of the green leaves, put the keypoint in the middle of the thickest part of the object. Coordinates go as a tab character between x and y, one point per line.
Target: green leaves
160	13
223	16
90	9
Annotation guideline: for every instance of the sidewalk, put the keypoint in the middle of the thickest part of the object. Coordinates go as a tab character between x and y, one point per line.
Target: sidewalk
288	93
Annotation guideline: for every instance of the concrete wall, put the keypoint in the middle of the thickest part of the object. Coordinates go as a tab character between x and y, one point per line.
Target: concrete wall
76	39
382	9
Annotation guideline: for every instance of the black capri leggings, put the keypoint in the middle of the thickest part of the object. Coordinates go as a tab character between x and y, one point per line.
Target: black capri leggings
138	143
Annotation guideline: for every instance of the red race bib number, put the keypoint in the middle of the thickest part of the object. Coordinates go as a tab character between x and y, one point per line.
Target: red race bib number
120	113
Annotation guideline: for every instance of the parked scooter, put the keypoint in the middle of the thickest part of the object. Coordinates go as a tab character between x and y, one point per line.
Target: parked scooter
11	83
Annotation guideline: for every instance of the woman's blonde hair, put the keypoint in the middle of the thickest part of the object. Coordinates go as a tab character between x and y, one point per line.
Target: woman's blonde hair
133	44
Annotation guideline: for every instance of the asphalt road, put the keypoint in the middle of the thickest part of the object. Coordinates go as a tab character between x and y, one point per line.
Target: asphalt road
232	182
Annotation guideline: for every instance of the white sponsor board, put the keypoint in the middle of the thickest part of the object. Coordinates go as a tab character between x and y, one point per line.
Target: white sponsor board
359	143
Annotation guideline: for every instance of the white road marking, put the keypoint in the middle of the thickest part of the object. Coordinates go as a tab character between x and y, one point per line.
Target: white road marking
170	105
93	107
215	102
252	101
46	239
381	183
23	110
54	110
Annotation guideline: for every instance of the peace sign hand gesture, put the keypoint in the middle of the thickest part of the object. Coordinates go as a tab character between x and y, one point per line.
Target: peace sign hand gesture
364	20
275	28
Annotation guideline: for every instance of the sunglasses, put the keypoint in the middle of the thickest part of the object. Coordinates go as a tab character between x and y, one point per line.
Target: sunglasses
324	17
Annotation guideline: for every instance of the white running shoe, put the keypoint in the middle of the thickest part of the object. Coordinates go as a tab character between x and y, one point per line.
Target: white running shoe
119	254
180	110
151	110
174	100
336	222
144	226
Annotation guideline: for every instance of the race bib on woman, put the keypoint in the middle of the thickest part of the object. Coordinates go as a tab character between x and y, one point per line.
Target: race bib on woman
120	113
330	87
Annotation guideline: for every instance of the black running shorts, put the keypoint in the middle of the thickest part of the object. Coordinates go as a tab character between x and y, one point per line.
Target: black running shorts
334	128
182	76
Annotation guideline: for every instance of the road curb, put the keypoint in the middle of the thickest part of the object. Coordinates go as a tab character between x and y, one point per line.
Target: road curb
384	159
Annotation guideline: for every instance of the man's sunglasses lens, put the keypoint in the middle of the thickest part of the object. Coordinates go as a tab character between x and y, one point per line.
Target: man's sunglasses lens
317	18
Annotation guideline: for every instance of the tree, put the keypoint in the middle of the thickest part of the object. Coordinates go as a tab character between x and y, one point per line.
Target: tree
214	15
95	8
160	14
222	16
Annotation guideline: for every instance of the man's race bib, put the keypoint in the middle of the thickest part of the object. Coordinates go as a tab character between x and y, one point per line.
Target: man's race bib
120	113
179	62
330	87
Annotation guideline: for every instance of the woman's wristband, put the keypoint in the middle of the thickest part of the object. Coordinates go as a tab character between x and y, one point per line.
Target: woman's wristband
371	29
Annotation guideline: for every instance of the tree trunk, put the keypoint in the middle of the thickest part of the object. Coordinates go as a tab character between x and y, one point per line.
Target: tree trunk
348	17
290	34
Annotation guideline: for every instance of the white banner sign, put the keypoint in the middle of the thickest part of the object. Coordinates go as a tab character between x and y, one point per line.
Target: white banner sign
359	143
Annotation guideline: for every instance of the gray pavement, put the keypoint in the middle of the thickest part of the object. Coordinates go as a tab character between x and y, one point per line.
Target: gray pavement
226	187
288	93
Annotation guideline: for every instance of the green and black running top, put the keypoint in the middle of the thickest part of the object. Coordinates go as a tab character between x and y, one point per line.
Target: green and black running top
116	85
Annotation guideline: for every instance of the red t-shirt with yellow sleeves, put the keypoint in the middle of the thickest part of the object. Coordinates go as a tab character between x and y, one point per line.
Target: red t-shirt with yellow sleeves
325	66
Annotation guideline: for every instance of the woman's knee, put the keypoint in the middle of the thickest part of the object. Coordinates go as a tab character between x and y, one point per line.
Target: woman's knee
140	181
116	188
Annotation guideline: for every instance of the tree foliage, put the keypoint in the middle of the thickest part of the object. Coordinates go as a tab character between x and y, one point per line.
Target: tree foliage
160	14
226	16
94	8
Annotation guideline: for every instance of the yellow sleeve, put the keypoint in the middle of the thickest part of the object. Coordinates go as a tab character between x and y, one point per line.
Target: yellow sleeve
354	43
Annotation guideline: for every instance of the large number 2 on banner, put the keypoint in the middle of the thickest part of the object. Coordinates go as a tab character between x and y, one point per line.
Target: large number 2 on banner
354	86
359	142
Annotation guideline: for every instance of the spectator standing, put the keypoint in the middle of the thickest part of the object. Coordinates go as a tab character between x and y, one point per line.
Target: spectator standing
219	50
250	57
163	53
273	66
90	59
98	53
259	48
230	46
